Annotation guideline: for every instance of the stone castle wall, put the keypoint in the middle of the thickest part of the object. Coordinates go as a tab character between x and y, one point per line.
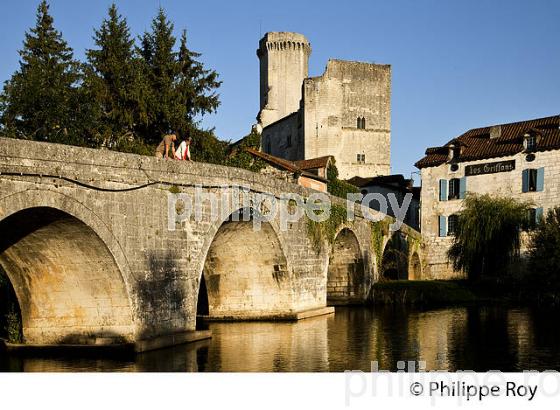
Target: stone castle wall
284	59
332	104
304	118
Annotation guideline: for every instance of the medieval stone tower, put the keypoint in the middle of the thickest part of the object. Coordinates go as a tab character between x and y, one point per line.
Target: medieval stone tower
283	67
346	112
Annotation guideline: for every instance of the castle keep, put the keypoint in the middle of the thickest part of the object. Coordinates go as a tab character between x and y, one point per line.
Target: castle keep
346	112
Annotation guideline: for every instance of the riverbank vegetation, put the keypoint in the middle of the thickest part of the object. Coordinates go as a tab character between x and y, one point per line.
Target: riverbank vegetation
488	236
10	316
487	247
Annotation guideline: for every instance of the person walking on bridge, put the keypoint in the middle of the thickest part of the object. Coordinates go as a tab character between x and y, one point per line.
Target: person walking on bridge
168	141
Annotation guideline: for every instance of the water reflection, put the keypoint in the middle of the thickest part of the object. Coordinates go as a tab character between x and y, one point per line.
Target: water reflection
464	338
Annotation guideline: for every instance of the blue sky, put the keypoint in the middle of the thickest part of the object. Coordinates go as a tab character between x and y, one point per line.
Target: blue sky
456	64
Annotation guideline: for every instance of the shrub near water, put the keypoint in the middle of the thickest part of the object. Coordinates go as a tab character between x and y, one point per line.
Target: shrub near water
488	236
544	252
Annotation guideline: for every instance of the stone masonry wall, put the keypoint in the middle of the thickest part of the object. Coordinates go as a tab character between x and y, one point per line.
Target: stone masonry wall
503	183
333	102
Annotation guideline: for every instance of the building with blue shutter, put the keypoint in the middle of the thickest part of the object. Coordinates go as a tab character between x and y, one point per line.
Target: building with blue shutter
520	159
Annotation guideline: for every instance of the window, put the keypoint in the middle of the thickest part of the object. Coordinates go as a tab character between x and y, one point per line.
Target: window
361	158
534	216
361	123
452	224
532	180
454	188
455	152
530	142
289	141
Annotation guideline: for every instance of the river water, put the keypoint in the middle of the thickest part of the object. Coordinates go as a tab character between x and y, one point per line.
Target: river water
461	338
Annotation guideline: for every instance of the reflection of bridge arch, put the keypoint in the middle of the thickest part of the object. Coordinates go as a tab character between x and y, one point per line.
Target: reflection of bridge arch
68	283
346	278
245	271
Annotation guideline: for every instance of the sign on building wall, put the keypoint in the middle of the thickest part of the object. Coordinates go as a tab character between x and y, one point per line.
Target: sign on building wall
489	168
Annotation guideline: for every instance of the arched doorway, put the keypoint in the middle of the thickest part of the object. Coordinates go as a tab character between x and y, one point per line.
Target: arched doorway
69	287
345	277
245	272
394	265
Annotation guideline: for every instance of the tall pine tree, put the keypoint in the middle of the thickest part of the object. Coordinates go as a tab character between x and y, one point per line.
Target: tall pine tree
113	81
41	100
181	89
195	86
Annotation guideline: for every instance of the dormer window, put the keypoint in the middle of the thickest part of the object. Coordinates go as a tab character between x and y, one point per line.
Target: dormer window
530	142
454	152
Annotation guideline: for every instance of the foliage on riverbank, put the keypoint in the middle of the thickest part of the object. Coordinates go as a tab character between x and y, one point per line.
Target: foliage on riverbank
488	235
432	293
544	252
10	317
424	293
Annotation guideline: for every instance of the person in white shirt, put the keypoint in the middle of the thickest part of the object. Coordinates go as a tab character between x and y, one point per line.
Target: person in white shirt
183	151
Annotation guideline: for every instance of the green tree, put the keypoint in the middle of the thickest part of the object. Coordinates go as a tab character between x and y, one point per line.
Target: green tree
488	236
196	87
114	82
238	157
180	87
161	68
41	100
544	251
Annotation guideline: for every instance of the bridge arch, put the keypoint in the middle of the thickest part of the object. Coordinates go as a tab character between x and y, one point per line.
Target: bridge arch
69	285
395	259
245	271
346	274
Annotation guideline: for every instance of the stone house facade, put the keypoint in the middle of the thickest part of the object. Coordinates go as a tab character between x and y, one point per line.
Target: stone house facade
346	112
521	160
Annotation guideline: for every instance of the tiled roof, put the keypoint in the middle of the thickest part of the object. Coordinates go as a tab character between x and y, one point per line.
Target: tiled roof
397	179
314	163
497	141
284	163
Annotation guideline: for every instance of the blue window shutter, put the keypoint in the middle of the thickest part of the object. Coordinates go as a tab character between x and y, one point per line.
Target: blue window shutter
538	215
443	190
442	225
462	187
525	181
540	179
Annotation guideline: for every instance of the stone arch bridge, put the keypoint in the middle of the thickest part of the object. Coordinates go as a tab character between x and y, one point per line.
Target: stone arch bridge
86	242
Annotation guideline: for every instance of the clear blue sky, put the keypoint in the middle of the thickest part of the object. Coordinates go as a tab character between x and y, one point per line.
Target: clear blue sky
456	64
